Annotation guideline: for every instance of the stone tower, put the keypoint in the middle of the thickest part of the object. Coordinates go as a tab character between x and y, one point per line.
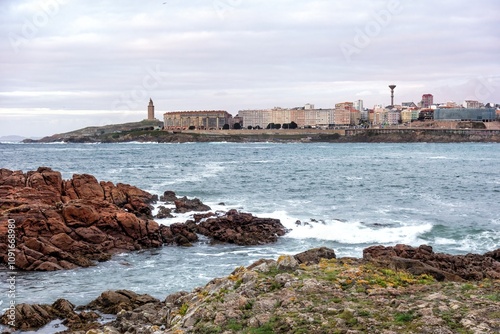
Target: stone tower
151	110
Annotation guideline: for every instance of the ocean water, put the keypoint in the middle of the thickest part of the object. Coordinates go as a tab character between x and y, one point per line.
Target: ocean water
351	195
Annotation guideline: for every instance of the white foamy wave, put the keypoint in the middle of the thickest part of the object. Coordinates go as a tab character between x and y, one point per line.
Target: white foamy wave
183	217
442	157
444	241
54	143
480	242
137	143
357	233
349	232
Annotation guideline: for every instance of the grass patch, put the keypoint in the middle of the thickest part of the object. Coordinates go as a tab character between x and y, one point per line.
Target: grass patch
404	317
467	287
494	297
183	309
233	325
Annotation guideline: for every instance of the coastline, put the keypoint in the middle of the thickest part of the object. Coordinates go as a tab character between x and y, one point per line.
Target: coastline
391	135
386	291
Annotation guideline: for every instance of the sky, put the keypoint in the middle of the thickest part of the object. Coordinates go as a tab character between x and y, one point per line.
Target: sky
68	64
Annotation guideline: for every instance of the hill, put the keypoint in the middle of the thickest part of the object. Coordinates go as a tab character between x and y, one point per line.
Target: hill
97	133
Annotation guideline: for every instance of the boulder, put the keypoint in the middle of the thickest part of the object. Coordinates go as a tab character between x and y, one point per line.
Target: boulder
441	266
112	302
32	317
62	224
179	234
183	205
241	229
168	196
494	254
313	256
164	212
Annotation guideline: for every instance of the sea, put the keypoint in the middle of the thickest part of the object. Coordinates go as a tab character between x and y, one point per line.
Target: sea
346	196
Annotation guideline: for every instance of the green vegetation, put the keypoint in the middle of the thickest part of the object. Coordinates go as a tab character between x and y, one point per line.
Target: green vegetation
404	317
183	309
342	295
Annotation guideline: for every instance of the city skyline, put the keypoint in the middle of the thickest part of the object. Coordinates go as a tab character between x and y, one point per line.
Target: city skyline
67	65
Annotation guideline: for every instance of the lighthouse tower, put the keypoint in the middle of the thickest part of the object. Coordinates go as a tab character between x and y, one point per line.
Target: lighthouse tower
151	110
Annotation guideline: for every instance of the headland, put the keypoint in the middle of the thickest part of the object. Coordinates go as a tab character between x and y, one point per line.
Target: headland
151	131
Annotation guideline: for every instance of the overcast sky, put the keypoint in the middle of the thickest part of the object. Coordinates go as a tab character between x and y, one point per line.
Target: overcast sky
67	64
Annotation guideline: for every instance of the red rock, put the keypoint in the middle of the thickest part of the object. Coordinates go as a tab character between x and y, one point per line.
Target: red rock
87	187
441	266
91	234
241	229
61	224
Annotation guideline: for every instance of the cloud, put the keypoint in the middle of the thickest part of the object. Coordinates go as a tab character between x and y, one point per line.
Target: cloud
260	54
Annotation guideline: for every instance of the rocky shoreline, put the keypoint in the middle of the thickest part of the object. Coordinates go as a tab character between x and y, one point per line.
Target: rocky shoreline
64	224
390	290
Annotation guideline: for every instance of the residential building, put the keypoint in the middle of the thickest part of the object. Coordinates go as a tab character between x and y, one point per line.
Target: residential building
377	116
256	118
203	119
471	104
393	117
406	116
358	105
407	105
427	100
342	114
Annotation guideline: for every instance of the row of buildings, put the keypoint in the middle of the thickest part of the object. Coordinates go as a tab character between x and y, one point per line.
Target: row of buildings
345	114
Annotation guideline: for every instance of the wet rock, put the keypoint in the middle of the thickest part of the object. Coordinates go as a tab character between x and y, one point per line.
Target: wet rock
198	217
183	205
164	212
168	196
241	229
179	234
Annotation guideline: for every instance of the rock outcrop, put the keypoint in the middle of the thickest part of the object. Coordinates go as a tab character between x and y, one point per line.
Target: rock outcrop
63	224
241	229
232	227
29	317
183	205
318	294
423	260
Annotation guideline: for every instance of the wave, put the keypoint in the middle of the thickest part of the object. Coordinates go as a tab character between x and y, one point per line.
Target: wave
138	143
353	232
12	142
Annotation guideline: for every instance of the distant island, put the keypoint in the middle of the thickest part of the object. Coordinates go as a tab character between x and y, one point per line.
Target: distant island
13	139
152	131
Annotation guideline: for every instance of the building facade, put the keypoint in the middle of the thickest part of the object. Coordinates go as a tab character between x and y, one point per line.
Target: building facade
200	120
471	104
342	114
465	114
303	117
427	100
